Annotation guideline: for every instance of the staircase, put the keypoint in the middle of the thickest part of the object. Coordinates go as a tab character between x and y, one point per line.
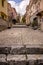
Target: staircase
23	55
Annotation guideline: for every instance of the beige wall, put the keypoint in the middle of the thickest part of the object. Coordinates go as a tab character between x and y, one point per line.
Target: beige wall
3	9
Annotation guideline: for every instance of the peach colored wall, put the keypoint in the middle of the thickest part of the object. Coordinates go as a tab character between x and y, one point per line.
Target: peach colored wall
14	13
41	5
9	10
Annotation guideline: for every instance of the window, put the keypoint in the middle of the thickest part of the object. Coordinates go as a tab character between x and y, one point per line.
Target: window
3	3
2	16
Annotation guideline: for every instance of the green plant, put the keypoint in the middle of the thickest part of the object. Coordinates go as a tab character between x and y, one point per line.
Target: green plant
23	20
34	23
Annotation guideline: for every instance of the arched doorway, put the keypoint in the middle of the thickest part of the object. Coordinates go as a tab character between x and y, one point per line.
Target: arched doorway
35	23
14	21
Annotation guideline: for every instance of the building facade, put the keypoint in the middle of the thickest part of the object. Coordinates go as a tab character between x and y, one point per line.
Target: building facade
9	9
14	13
27	15
10	15
3	15
35	12
3	9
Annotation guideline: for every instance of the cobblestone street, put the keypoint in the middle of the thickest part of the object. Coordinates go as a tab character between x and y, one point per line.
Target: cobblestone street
21	36
16	38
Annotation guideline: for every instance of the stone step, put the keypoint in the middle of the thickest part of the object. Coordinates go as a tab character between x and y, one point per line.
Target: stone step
21	59
27	51
22	50
19	26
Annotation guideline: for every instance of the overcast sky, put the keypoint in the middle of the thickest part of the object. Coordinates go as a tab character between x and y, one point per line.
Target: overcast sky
19	5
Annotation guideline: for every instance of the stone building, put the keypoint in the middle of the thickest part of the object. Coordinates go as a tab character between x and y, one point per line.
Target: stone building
35	12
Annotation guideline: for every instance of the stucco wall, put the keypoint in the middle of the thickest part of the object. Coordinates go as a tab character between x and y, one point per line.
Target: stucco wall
3	9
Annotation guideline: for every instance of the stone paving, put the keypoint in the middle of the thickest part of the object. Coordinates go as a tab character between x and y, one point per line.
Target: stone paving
21	36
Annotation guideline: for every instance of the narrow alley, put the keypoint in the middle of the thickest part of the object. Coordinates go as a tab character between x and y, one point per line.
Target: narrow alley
14	36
